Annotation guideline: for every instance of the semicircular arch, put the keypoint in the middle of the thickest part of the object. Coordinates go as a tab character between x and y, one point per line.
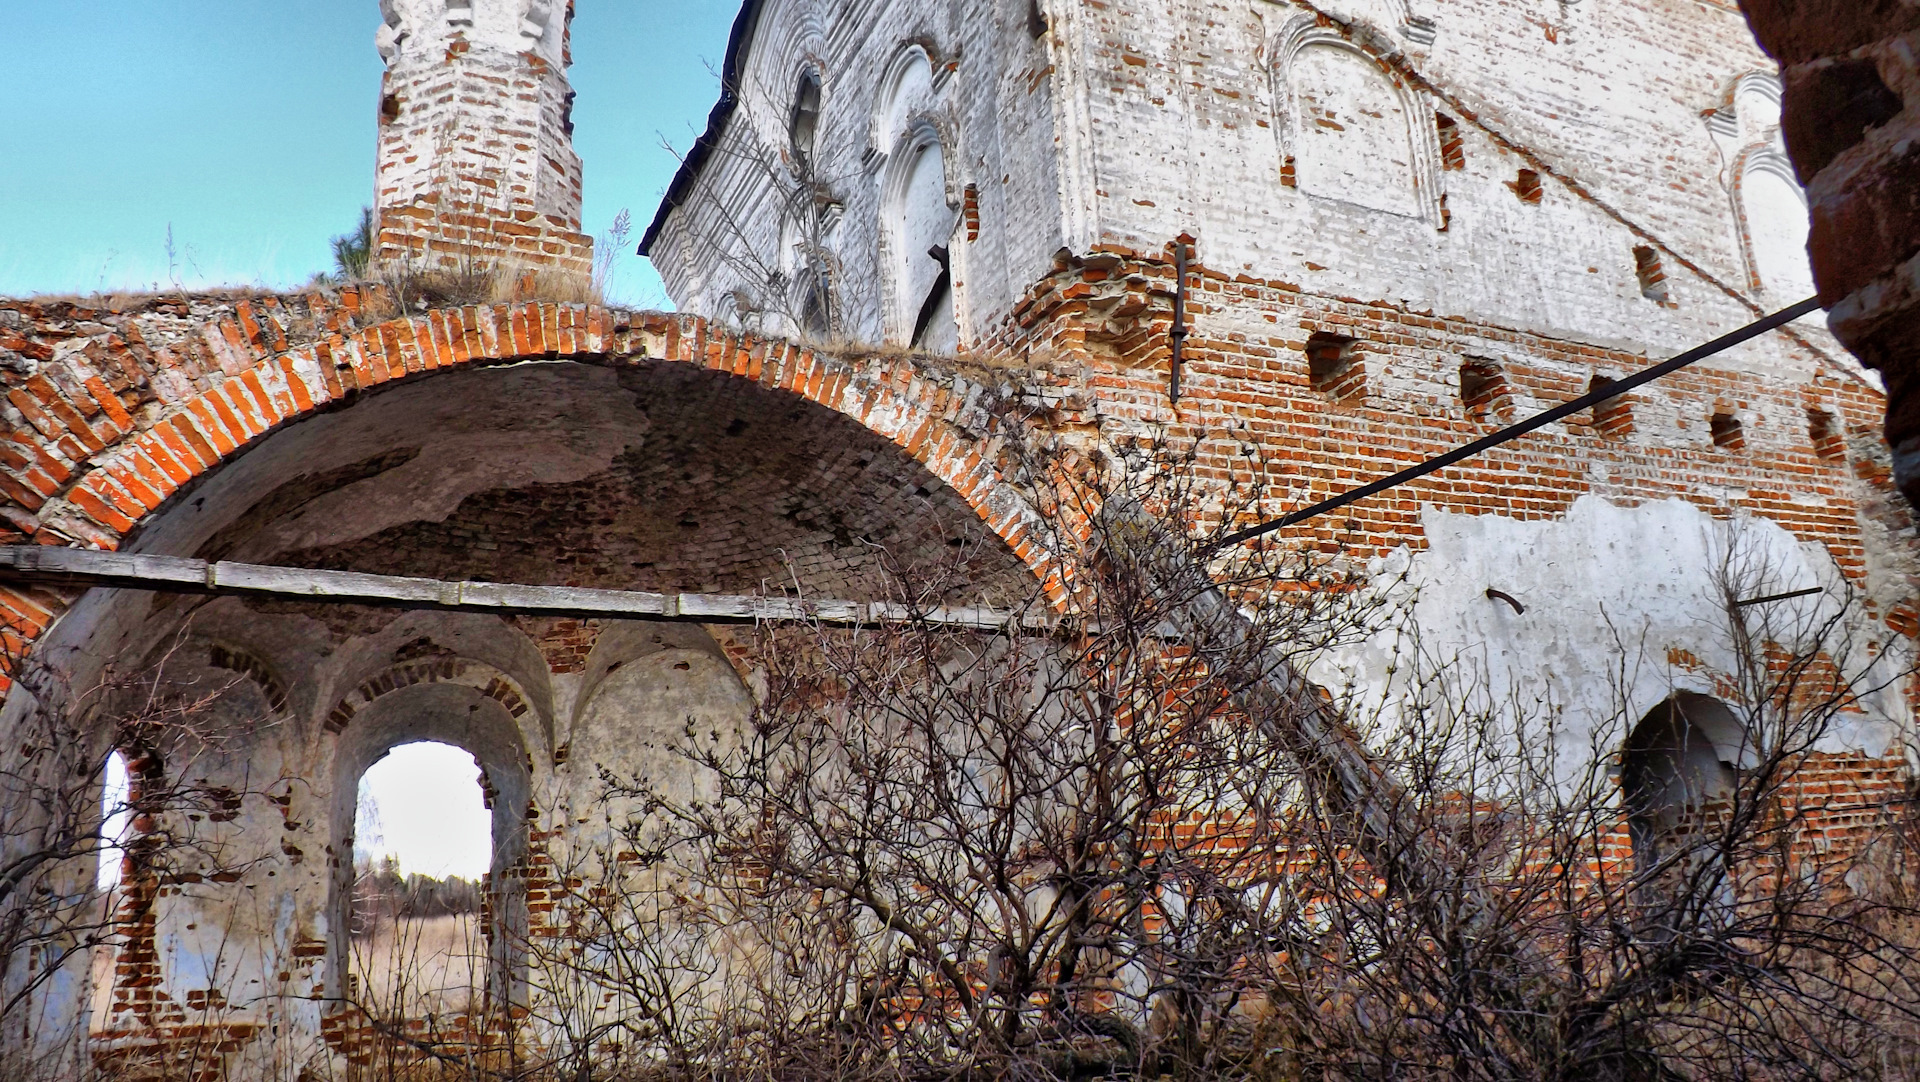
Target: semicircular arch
136	470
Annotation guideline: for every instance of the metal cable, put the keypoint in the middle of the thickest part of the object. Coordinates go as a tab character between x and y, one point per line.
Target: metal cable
1566	409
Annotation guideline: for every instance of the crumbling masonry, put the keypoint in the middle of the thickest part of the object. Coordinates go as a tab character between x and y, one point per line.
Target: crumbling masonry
1403	224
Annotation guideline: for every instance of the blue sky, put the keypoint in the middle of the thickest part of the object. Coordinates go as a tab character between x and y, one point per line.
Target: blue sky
248	127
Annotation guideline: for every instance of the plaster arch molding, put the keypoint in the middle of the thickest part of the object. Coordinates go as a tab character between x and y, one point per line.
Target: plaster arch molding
1349	128
907	95
789	38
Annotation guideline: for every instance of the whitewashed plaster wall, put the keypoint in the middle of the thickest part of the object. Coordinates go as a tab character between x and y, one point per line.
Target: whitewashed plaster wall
1612	596
1195	108
1132	122
981	82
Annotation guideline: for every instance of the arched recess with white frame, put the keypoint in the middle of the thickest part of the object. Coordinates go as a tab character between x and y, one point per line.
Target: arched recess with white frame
1770	210
1680	767
1773	223
1350	129
917	214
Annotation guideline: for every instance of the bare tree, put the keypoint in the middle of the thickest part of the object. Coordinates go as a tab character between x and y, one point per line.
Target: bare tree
1106	851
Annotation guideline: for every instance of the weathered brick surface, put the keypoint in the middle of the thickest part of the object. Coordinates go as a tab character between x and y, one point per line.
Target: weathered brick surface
476	166
1570	212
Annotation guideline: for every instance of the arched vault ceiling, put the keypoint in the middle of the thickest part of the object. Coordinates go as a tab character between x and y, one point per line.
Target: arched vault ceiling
650	477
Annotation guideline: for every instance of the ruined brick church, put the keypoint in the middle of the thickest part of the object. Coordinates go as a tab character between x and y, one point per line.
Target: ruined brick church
1389	227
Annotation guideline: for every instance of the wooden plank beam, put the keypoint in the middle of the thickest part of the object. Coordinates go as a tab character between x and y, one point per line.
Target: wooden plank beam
174	574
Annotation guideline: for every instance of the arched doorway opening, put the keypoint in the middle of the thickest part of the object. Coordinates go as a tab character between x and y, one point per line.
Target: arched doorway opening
405	947
423	848
1679	772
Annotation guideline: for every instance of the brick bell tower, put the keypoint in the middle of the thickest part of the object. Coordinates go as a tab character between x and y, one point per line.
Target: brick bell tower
476	167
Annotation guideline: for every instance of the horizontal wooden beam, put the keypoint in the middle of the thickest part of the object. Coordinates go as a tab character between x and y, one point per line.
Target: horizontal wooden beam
174	574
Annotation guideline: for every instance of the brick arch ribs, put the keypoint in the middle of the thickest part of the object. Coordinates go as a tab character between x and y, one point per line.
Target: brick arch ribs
79	469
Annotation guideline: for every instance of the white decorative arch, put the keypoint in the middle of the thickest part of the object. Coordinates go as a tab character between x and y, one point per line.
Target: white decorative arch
788	40
1769	208
918	211
1353	130
1774	222
906	96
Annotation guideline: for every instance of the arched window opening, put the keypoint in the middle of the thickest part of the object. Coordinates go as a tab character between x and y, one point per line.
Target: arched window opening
1350	132
922	228
816	306
1679	775
803	120
116	819
422	849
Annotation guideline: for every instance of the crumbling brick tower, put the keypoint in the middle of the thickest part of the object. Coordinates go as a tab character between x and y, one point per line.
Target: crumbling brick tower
476	166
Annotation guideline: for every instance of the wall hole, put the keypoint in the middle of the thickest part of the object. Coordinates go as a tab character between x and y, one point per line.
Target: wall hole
1653	279
389	108
1453	151
1726	430
1484	390
1527	186
1824	431
1611	417
1334	367
1289	178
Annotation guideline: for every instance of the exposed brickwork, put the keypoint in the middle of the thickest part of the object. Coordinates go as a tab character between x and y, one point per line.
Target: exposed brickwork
476	164
1552	234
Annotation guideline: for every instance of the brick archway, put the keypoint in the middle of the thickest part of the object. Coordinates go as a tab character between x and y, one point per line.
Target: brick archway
83	470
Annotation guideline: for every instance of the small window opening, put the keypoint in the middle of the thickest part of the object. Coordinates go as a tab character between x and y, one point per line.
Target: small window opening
804	123
1453	152
1288	178
1484	390
389	108
1334	367
1653	280
1824	431
1727	432
422	850
816	307
1612	417
1527	186
116	819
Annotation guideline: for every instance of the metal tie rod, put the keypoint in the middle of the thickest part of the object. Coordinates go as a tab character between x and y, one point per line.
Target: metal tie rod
1592	398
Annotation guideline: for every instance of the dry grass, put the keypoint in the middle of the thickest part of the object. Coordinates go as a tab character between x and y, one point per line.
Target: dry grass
415	967
408	290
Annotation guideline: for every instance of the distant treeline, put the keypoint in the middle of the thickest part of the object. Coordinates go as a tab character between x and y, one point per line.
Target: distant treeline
382	894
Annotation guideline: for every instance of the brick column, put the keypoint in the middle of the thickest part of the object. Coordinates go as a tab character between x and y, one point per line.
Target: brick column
476	167
1851	118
